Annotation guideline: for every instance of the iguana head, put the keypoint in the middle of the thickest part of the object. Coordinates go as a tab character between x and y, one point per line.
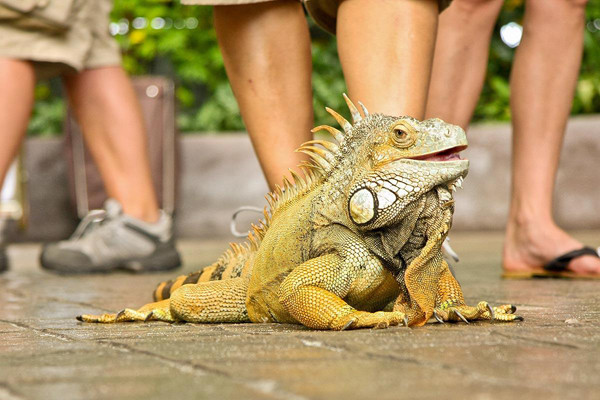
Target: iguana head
385	163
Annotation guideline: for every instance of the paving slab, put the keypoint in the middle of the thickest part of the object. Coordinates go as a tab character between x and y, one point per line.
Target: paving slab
46	354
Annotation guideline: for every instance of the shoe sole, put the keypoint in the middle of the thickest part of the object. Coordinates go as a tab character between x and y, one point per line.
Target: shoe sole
548	275
3	261
165	261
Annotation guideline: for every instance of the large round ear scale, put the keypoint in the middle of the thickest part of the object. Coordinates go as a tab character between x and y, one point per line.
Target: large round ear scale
362	206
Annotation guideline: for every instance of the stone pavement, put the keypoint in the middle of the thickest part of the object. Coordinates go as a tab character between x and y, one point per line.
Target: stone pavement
46	354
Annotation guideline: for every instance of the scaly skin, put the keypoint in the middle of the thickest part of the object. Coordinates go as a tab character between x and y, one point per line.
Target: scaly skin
354	243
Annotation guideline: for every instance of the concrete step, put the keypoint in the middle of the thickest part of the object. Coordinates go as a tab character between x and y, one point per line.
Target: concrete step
220	173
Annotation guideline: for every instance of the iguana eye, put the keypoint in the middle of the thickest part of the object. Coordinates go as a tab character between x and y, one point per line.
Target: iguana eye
403	135
400	133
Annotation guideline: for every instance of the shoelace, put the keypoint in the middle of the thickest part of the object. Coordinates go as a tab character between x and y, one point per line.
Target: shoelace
449	251
91	221
232	224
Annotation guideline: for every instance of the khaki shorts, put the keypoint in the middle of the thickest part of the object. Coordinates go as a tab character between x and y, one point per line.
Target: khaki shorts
324	12
87	44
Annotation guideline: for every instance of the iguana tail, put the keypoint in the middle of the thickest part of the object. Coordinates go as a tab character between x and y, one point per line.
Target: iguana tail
235	262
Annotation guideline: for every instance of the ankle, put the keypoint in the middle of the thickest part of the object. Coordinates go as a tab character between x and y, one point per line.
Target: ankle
146	214
521	217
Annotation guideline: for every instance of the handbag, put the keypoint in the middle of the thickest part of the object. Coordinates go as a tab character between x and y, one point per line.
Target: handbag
53	16
156	95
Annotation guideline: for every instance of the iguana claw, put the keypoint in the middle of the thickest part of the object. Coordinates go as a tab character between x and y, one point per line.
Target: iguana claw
150	315
459	315
437	317
491	310
348	325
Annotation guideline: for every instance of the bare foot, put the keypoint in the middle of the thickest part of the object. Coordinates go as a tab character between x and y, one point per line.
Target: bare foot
527	247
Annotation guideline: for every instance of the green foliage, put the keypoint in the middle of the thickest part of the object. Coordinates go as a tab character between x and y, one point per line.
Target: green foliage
185	48
587	98
494	101
49	110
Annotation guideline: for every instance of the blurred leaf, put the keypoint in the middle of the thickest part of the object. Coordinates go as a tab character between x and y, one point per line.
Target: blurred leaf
585	93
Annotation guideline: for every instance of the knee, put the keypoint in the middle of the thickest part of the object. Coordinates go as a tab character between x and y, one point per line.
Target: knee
563	8
577	4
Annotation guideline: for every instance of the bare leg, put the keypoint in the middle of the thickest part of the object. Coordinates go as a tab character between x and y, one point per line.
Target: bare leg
266	49
386	53
17	80
542	92
110	116
460	61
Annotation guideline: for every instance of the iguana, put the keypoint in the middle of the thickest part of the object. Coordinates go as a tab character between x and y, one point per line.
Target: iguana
353	243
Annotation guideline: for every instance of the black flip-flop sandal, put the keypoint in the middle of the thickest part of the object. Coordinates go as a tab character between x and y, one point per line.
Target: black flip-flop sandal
557	268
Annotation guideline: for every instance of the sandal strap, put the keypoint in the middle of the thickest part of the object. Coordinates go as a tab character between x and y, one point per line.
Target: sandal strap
561	263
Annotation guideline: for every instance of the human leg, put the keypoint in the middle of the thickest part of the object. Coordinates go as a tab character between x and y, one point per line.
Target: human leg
386	53
108	111
266	49
17	80
134	234
460	61
541	96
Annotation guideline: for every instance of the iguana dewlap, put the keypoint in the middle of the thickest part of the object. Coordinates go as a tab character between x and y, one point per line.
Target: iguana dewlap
353	243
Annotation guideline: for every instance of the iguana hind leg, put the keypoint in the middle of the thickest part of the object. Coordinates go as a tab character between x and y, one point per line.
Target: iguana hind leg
157	311
214	301
451	306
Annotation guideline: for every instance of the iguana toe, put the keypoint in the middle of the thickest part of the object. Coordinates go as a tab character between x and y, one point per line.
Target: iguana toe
376	320
151	312
103	319
483	311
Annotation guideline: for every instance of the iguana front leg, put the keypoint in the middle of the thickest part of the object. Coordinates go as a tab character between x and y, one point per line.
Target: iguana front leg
451	306
420	281
312	293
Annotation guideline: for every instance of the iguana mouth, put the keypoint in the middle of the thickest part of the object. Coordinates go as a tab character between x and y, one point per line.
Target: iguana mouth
450	154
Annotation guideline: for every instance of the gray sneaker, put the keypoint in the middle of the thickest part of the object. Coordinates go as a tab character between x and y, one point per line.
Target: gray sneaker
107	239
3	259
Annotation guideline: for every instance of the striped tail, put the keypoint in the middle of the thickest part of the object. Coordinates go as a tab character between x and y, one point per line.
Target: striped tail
236	262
